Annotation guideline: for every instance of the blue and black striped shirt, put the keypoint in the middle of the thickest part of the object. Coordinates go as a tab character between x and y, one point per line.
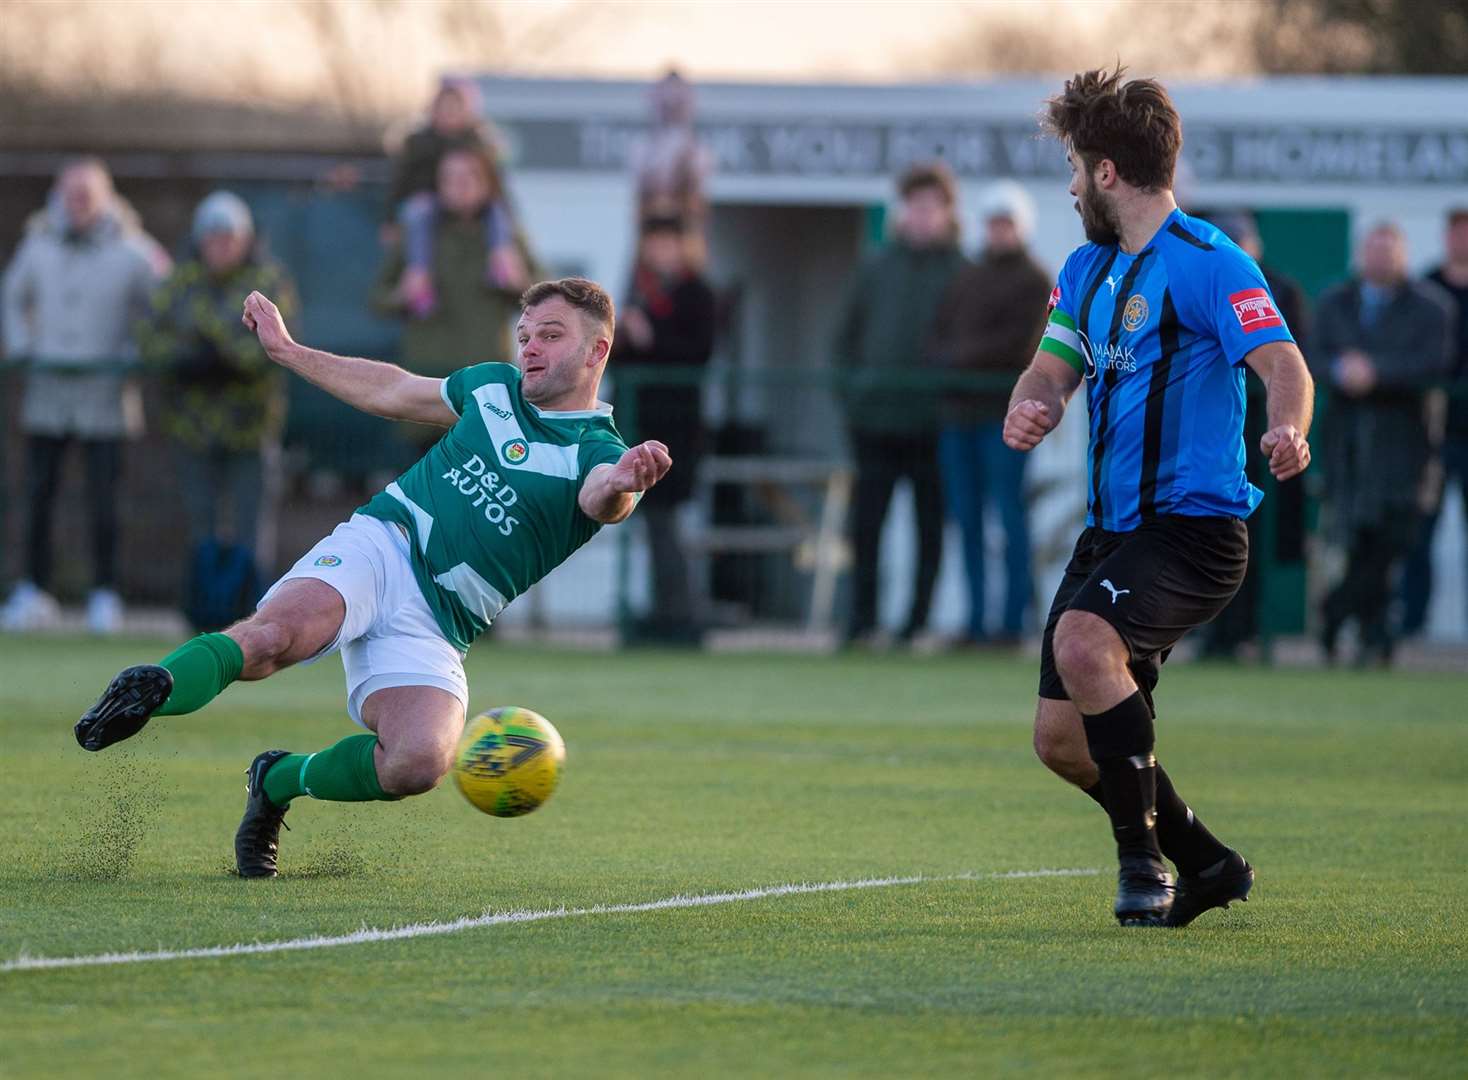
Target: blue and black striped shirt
1160	337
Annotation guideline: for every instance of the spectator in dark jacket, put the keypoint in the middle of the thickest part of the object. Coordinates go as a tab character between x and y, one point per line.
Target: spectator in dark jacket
668	322
1452	277
883	341
1238	623
224	399
1382	341
454	125
988	325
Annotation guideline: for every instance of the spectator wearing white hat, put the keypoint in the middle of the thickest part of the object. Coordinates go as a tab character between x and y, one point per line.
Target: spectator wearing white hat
988	324
79	281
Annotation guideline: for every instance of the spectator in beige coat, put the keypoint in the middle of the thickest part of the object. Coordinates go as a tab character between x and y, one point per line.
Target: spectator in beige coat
78	283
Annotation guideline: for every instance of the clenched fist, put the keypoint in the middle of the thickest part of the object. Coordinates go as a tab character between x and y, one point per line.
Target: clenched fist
1287	450
1027	423
264	319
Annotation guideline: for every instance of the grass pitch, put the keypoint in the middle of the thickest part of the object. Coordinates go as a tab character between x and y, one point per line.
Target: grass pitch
689	775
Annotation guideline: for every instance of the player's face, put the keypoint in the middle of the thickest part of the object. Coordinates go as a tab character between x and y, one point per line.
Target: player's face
555	351
1098	218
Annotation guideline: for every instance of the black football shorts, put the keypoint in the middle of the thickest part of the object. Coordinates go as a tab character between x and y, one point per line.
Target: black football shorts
1153	584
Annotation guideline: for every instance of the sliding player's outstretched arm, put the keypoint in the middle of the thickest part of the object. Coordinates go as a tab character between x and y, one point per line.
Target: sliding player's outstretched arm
1290	403
1039	400
370	385
610	491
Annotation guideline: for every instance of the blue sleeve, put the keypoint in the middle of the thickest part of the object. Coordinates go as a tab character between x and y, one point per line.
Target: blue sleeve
1064	297
1237	305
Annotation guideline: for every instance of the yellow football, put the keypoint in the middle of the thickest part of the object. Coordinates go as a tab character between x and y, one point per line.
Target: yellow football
509	761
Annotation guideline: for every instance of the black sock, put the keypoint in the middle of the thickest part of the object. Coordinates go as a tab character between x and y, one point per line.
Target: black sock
1121	741
1181	836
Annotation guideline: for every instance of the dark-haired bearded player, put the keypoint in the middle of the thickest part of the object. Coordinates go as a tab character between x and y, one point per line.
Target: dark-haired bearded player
1157	314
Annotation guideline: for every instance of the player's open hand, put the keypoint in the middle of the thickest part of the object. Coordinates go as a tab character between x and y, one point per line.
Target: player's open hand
641	467
263	317
1027	423
1287	450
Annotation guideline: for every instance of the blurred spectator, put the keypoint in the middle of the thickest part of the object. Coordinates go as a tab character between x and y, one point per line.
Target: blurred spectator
1238	623
454	124
472	319
1452	276
672	166
1381	342
77	285
883	334
989	324
223	399
668	322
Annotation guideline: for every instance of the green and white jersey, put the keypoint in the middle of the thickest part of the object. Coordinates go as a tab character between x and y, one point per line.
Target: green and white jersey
491	508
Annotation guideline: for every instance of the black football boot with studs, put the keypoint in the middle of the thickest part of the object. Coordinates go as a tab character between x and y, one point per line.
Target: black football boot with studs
257	840
131	698
1217	887
1144	892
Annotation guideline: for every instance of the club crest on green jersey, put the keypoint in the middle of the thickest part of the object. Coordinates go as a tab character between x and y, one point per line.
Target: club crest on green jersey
515	451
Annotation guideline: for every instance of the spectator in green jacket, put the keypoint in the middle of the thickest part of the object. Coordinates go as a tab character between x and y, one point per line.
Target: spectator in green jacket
473	317
882	343
454	123
224	401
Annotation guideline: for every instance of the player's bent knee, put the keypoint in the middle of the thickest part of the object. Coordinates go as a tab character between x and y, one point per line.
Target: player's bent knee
414	772
1086	649
1078	660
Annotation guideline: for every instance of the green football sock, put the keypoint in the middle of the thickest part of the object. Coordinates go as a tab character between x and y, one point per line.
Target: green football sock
201	668
345	772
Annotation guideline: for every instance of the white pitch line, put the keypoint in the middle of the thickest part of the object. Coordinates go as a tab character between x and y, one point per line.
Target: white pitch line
414	930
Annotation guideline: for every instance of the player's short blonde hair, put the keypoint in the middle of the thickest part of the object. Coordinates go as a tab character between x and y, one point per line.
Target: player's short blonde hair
584	295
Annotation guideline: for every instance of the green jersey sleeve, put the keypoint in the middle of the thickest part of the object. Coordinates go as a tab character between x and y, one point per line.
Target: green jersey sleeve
603	448
457	387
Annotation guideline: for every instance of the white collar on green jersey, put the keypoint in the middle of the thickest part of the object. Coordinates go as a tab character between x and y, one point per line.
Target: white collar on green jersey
602	409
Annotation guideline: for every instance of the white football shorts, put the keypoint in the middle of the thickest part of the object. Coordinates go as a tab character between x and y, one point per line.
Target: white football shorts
389	636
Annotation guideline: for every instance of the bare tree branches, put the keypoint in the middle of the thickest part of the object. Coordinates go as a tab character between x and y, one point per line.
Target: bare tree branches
363	60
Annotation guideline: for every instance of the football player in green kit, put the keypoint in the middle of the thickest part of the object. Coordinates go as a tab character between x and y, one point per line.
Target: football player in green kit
529	469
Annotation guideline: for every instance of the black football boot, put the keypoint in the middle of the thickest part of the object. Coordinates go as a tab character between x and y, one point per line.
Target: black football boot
133	695
256	841
1217	887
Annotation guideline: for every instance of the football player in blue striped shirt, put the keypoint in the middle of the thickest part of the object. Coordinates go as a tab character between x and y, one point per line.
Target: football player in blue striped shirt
1158	314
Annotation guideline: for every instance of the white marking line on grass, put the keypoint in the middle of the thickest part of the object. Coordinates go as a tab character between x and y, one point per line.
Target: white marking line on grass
414	930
